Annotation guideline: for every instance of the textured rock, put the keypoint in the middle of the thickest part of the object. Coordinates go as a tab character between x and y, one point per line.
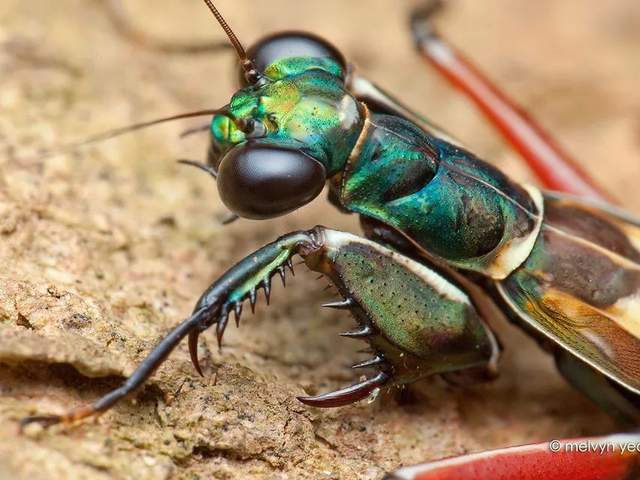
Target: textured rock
105	249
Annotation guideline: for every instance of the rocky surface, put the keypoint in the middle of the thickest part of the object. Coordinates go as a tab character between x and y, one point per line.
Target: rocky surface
104	249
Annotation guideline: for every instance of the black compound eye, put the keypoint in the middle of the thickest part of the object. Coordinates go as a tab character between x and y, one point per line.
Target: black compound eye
261	181
290	44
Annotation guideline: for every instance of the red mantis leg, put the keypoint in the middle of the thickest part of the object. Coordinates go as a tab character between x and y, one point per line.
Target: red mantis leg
614	457
555	169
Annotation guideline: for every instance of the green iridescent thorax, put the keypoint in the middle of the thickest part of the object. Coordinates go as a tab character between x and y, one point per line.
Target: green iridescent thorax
445	199
303	104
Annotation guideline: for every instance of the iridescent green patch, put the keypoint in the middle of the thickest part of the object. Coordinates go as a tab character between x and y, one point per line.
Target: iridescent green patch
302	104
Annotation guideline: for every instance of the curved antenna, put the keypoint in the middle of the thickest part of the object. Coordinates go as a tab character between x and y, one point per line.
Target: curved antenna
250	72
116	132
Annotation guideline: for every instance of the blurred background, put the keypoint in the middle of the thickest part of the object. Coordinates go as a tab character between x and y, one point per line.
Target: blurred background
104	249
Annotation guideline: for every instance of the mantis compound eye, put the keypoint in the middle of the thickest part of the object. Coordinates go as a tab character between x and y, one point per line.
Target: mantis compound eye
260	181
281	45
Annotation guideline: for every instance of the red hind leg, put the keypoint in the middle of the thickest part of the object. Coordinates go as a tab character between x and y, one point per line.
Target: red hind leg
554	167
603	458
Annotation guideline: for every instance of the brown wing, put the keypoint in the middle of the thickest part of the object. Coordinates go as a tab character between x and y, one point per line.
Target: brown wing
580	287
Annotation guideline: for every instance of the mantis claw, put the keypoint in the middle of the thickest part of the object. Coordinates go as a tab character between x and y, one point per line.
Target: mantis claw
372	362
281	272
364	332
345	304
347	395
253	299
237	309
290	265
221	327
193	350
266	285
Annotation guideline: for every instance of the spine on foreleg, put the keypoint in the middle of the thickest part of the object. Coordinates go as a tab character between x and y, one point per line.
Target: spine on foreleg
417	322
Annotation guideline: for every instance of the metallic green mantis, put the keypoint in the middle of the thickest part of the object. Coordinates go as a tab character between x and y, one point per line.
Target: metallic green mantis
440	224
